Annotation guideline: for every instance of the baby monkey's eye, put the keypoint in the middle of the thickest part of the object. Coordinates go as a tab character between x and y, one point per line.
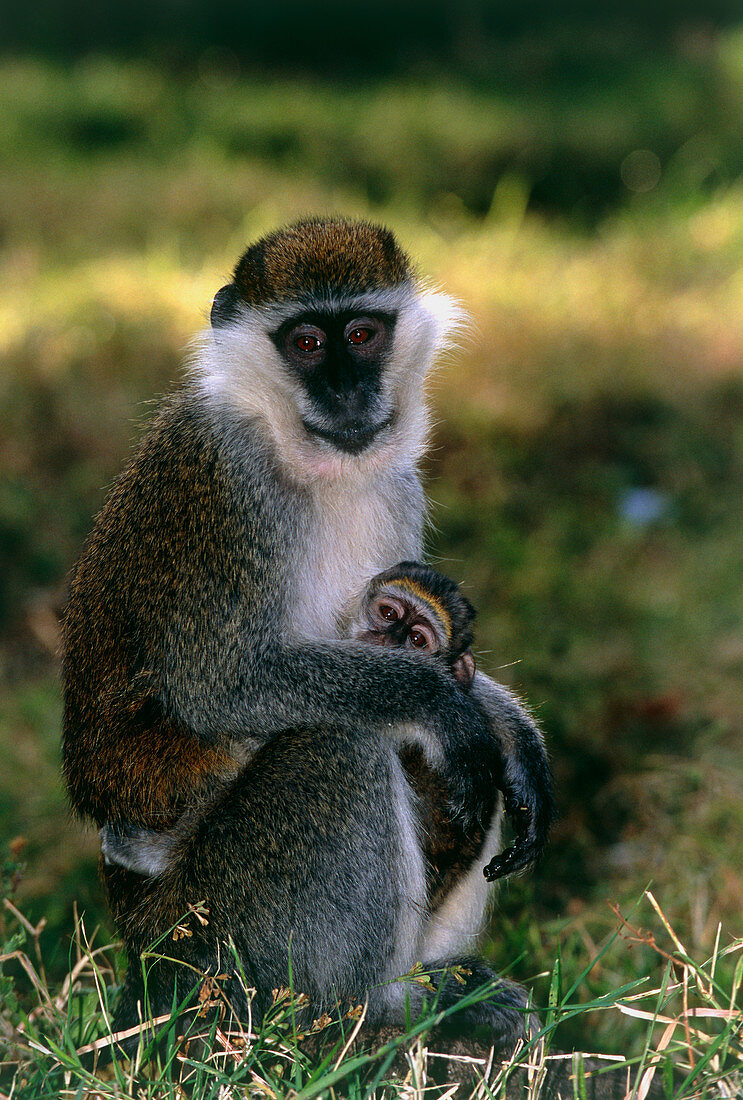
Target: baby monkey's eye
422	636
386	611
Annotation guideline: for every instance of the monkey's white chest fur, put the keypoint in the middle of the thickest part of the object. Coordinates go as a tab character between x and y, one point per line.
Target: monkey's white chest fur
353	533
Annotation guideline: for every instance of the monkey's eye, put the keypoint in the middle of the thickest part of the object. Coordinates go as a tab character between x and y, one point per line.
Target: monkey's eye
422	637
304	344
308	342
386	611
359	335
365	333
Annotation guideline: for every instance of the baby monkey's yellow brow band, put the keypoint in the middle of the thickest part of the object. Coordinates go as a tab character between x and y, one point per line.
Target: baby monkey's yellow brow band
438	608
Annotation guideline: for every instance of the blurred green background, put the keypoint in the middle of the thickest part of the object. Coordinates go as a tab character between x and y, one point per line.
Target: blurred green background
575	180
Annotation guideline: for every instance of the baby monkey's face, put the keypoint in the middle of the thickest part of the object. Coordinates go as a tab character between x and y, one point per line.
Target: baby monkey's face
395	616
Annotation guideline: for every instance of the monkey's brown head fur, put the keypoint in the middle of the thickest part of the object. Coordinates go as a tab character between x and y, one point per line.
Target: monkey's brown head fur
317	256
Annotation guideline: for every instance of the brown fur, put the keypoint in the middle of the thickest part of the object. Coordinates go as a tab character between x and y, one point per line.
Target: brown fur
123	758
449	848
315	257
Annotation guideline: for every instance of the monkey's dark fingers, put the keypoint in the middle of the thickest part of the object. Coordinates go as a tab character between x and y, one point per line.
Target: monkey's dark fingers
531	824
509	861
529	804
521	853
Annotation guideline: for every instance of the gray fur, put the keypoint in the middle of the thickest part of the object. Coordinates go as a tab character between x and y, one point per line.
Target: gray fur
143	851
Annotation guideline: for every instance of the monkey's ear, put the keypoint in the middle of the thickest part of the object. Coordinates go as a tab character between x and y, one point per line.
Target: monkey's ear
225	306
464	668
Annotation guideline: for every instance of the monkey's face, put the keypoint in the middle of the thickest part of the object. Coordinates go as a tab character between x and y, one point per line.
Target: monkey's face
392	616
396	619
325	338
338	360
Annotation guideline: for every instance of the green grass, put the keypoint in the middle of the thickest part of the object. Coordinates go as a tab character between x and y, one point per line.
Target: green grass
601	362
690	1042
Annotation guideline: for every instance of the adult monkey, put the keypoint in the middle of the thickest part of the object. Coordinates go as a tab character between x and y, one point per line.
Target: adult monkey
201	659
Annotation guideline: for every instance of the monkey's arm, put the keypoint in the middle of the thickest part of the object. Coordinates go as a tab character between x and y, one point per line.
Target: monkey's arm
346	685
527	777
182	607
524	775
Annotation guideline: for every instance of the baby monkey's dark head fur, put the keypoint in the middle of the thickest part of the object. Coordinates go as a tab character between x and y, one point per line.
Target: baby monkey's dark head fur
413	606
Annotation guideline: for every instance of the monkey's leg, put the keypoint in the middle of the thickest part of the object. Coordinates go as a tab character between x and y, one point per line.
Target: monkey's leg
309	865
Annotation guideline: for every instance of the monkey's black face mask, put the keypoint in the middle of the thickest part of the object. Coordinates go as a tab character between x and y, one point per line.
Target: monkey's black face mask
339	359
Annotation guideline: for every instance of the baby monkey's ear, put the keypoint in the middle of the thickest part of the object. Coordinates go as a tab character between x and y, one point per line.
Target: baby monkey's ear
464	669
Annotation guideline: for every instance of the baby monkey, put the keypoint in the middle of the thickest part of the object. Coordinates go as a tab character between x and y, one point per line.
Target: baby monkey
409	606
412	606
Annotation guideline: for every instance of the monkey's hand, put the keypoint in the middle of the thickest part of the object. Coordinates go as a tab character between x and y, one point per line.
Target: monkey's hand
526	848
526	779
